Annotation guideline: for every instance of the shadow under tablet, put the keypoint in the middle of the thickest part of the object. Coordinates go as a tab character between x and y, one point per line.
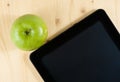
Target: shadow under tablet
84	53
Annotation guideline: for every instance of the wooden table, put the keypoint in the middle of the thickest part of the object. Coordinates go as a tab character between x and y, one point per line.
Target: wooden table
15	65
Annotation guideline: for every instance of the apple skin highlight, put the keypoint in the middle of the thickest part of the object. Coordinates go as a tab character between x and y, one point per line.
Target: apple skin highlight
29	32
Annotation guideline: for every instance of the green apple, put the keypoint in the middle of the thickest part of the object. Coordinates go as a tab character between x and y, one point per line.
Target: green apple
29	32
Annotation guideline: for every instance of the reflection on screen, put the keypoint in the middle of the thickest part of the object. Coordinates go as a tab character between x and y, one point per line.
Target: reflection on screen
91	56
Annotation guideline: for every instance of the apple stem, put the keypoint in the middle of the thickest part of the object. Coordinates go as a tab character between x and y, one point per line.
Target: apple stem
27	32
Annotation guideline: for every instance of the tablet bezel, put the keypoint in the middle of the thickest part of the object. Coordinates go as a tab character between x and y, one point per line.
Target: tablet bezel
98	15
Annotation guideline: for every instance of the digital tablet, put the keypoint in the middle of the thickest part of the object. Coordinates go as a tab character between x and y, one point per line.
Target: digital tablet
89	51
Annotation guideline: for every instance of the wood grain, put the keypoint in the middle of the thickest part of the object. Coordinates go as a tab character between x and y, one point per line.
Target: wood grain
15	65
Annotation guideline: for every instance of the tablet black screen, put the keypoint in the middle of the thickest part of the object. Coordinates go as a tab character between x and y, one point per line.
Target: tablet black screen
90	56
